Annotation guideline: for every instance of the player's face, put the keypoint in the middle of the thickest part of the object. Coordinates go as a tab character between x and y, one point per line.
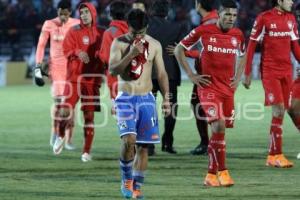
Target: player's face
137	34
286	5
86	16
140	6
63	14
227	18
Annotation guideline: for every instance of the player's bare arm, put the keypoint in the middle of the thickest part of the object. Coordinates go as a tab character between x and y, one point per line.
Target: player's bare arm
195	78
240	69
162	78
117	63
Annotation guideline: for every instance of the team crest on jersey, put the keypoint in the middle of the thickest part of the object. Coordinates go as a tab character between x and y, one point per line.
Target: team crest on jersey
234	41
85	40
213	39
212	111
271	97
290	24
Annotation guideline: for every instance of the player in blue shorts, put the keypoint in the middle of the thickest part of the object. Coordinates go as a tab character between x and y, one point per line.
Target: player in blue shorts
132	58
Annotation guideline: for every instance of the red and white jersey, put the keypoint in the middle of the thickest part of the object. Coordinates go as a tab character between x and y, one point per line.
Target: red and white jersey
219	54
275	30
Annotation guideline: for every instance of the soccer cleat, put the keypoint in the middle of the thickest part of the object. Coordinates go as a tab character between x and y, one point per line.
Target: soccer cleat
199	150
58	145
271	161
282	162
52	139
127	188
225	179
86	157
211	180
70	146
137	194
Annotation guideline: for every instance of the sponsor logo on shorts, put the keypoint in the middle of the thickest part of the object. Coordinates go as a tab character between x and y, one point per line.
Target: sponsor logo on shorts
212	111
85	40
155	136
123	125
271	97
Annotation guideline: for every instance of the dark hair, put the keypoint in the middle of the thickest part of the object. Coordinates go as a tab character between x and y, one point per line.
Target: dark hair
274	3
64	4
142	2
229	4
207	4
118	10
160	8
137	19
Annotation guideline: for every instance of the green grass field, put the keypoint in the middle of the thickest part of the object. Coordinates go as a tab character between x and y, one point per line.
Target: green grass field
30	171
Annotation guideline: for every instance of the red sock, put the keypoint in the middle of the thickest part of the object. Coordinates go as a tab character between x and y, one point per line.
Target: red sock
216	153
275	146
88	131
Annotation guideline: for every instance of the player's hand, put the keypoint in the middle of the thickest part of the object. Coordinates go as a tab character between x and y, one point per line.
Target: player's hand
170	49
247	82
200	80
136	48
38	75
235	82
166	107
84	57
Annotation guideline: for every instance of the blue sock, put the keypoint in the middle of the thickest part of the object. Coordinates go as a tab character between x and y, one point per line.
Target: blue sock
126	169
138	179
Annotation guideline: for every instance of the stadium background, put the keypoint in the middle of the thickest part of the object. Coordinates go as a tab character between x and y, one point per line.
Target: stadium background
29	171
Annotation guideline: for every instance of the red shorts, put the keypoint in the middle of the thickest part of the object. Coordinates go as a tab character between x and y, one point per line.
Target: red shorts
88	93
112	83
216	107
295	94
277	89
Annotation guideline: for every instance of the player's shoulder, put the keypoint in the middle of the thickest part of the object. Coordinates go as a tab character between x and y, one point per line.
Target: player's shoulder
152	40
205	28
74	21
76	27
237	31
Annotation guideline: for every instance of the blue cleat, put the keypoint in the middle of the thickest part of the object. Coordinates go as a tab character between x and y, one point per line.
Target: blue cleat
127	188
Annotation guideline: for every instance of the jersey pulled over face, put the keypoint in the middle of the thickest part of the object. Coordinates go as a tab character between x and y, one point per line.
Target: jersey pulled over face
219	54
275	30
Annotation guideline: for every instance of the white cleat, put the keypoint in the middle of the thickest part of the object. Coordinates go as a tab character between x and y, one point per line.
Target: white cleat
58	145
298	156
70	146
86	157
52	139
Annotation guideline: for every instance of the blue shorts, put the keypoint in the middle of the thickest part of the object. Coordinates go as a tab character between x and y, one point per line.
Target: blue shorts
137	114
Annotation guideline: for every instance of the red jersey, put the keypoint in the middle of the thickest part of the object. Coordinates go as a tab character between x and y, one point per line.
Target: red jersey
87	39
218	55
116	28
275	30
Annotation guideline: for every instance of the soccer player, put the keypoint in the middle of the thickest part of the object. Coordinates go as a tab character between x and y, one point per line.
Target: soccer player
81	47
222	45
131	58
209	16
118	26
56	29
277	30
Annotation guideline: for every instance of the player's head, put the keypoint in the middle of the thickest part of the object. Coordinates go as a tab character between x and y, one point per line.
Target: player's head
160	8
138	22
227	14
206	5
284	5
118	10
64	10
85	15
139	4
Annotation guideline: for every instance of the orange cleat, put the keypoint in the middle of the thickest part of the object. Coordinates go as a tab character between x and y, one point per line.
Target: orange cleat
127	188
271	161
211	180
225	179
282	162
137	194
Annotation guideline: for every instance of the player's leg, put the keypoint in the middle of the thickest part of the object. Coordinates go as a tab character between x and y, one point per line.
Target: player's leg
170	120
277	94
201	123
69	134
139	167
89	133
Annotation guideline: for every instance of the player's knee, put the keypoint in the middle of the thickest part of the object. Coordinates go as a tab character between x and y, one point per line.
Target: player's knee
218	126
88	117
129	141
278	111
64	113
